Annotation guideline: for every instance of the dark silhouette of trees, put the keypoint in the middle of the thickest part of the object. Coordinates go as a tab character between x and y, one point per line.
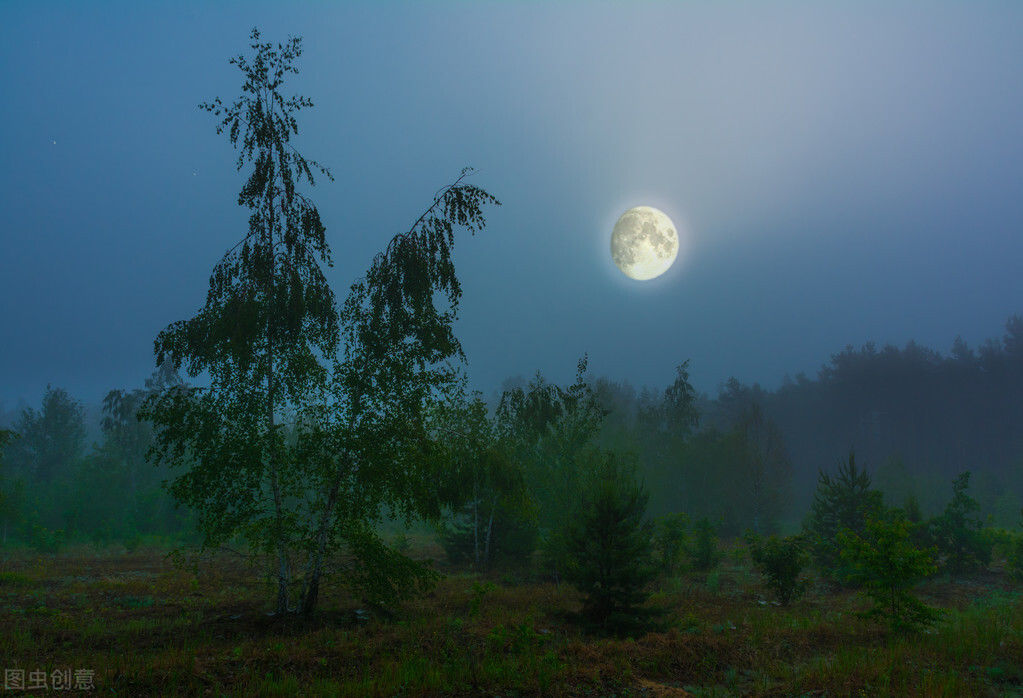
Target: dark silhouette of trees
52	439
938	413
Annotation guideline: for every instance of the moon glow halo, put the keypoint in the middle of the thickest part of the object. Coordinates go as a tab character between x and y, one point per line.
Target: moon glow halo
644	243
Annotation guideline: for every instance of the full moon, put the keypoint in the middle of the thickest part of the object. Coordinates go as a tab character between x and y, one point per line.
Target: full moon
644	243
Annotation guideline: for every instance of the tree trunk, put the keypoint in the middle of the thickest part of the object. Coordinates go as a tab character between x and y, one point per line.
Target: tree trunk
282	553
490	529
312	587
475	526
315	570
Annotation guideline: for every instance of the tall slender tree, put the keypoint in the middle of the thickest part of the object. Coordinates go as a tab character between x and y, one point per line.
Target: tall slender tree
268	313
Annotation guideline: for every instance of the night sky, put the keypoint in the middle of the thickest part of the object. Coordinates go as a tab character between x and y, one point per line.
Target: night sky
839	174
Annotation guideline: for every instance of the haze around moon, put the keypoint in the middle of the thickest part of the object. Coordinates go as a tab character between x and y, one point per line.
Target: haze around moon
644	243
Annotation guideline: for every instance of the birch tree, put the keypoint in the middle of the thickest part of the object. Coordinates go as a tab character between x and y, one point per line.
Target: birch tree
313	417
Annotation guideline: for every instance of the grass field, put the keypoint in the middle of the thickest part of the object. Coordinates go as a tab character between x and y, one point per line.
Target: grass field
146	628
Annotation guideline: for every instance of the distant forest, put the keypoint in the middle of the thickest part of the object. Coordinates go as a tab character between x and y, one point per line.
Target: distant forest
914	417
748	458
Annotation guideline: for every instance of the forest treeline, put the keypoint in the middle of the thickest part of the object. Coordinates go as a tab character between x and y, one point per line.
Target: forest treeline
914	416
747	458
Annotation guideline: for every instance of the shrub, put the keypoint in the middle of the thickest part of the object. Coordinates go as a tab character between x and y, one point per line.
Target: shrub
1013	547
704	550
888	565
607	544
780	560
47	540
1014	559
670	540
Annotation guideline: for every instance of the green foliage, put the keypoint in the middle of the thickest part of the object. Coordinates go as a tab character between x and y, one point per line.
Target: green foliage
6	437
781	560
381	574
843	502
49	483
735	472
957	533
550	430
479	592
1008	545
608	546
661	428
376	441
698	479
47	540
703	553
670	540
495	520
884	560
512	537
269	312
1014	558
675	417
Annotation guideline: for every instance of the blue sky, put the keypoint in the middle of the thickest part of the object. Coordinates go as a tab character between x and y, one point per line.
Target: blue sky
842	173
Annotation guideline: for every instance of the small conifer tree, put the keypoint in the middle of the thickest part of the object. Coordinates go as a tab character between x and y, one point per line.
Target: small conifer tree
845	501
608	546
957	533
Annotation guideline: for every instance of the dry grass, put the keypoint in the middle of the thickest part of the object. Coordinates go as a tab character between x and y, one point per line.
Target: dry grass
147	628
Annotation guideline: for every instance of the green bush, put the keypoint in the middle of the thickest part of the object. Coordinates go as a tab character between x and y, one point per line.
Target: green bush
704	550
47	540
780	560
888	565
1012	546
670	540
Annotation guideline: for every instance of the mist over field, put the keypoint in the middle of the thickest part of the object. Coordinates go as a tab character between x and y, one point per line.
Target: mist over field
322	374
